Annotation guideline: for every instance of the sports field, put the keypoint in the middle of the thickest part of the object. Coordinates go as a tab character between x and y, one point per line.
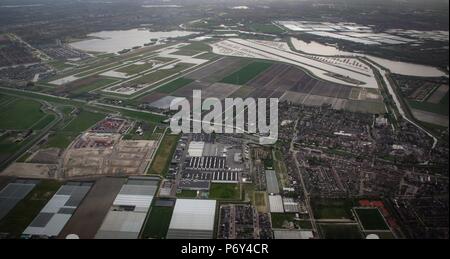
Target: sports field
371	219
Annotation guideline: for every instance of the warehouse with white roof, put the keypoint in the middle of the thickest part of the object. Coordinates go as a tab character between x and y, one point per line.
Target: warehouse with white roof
192	219
127	215
196	148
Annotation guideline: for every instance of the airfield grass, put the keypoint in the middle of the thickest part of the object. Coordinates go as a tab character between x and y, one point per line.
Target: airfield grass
93	86
161	161
207	56
59	65
196	46
158	222
135	68
174	85
186	52
20	114
279	218
26	210
247	73
224	191
161	74
371	219
332	208
340	231
265	28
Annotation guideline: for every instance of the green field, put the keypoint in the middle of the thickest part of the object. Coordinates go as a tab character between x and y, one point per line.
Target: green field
371	219
174	85
247	73
265	28
63	137
340	231
441	108
135	68
83	121
20	114
224	191
26	210
161	161
101	82
187	194
42	123
158	223
278	219
332	208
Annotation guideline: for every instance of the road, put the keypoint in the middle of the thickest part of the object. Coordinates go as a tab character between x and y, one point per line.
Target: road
305	191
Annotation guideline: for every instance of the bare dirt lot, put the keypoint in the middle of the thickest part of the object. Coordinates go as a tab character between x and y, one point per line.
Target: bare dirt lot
89	216
105	154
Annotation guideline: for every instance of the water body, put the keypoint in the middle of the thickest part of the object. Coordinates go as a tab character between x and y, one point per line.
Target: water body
115	41
397	67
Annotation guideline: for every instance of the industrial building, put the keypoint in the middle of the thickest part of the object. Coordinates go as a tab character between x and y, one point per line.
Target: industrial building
192	219
127	215
13	193
272	182
293	234
276	204
57	212
195	148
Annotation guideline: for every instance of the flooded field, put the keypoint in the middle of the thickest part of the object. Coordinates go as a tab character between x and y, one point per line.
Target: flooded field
397	67
115	41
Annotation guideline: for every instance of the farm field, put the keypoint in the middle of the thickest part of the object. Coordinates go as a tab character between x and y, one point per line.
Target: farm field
246	74
20	114
174	85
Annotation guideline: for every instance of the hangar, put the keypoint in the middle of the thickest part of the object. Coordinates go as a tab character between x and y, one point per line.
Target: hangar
192	219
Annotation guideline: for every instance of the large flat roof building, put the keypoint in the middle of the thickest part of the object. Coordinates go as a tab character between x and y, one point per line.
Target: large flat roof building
192	219
127	215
